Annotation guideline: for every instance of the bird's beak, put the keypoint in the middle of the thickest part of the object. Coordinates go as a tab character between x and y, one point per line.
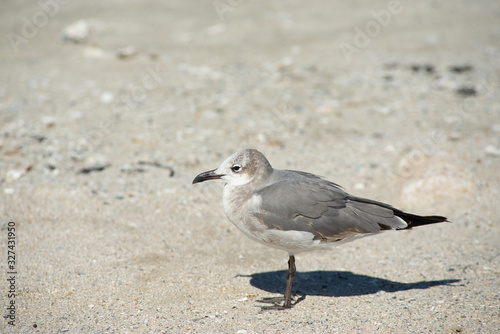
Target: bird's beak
210	175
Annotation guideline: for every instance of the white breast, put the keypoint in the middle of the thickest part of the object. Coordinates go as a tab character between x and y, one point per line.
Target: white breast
238	209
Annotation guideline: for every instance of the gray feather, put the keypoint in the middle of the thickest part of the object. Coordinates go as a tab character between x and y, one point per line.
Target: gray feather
305	202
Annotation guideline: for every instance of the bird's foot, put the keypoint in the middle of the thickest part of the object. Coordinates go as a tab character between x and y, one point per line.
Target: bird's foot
277	303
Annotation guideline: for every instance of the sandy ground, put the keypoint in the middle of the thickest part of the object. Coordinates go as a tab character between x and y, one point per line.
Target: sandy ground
405	110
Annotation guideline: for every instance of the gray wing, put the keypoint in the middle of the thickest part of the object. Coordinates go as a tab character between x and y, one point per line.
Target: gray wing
322	208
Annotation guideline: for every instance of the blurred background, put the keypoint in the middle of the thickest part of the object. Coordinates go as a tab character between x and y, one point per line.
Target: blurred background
108	109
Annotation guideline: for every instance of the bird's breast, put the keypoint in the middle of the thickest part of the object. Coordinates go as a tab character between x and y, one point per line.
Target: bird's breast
239	207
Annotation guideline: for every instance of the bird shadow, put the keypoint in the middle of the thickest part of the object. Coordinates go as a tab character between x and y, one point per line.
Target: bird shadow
334	284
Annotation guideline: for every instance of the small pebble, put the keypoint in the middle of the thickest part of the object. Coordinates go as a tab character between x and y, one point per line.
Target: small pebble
389	148
39	138
460	68
48	121
428	68
95	160
126	168
107	97
126	52
359	186
77	32
383	110
454	136
466	91
88	170
492	151
13	174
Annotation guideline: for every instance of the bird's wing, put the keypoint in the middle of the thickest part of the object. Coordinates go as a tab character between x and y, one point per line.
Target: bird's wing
322	208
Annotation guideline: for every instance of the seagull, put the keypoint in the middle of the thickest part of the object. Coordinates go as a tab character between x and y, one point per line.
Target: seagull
297	211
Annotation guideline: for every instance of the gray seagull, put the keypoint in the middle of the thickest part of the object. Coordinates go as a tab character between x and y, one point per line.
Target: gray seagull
297	211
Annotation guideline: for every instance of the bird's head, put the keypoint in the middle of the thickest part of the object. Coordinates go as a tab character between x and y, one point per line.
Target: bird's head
239	169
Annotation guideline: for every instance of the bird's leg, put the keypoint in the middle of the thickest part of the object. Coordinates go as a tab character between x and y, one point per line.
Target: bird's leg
289	282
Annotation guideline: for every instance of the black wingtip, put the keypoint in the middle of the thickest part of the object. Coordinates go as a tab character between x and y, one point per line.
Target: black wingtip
414	220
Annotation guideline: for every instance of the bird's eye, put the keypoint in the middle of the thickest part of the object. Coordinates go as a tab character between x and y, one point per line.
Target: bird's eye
236	168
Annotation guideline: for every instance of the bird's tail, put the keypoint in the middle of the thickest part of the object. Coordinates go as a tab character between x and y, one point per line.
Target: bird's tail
414	220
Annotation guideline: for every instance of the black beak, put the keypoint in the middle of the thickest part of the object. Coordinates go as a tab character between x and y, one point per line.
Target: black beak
210	175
